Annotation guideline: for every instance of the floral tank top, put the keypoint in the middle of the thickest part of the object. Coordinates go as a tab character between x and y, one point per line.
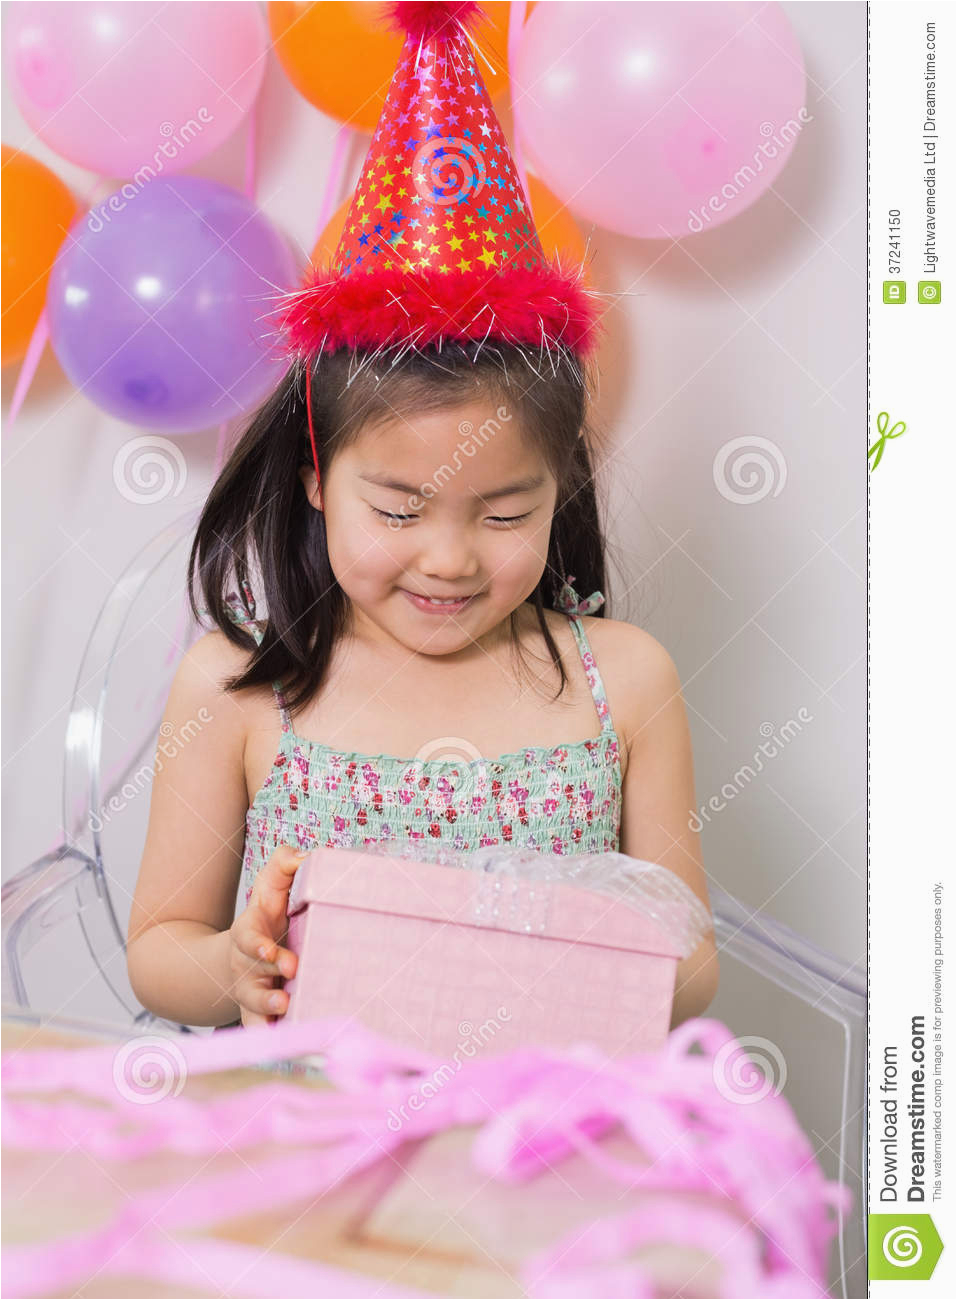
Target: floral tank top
556	799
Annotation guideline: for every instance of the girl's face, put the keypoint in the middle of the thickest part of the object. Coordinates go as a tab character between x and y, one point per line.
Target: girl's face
449	503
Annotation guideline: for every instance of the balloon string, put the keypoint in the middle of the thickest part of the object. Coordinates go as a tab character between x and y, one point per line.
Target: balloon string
334	179
40	336
38	341
251	142
250	190
516	20
177	645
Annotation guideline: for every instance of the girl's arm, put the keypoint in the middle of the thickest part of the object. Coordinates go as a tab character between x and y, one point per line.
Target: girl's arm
178	944
659	798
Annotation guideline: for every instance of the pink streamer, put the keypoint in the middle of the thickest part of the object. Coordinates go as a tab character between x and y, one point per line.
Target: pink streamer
133	1246
533	1108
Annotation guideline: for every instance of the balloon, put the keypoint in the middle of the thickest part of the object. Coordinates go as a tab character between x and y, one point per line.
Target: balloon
327	243
158	304
556	228
659	120
341	56
37	212
120	87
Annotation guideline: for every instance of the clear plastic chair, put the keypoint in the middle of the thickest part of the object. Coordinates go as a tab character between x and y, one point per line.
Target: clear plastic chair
73	902
797	1010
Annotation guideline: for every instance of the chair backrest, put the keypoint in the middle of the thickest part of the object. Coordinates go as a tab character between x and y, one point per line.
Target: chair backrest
88	876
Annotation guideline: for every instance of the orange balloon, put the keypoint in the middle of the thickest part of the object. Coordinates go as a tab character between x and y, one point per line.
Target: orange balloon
556	228
341	56
328	241
38	210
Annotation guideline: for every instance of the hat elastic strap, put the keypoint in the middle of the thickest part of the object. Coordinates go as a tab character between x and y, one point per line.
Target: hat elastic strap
312	432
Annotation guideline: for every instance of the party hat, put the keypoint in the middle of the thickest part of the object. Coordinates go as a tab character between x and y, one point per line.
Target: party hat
439	243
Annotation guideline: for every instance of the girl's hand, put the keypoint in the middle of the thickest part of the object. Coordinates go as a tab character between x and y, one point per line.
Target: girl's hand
256	959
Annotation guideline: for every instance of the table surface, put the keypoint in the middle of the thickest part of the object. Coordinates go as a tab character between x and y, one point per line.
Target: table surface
424	1219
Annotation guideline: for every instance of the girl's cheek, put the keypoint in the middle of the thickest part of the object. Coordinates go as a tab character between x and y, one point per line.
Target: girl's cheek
373	557
517	557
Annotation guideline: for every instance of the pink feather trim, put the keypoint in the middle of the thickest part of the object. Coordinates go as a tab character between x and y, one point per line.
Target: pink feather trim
423	19
538	307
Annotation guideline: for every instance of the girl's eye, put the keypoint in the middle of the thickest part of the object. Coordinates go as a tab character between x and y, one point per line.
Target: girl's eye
514	519
385	514
495	519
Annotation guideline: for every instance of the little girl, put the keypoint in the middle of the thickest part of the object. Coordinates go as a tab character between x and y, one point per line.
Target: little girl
413	505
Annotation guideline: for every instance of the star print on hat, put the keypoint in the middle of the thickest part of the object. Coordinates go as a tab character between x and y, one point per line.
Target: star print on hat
439	243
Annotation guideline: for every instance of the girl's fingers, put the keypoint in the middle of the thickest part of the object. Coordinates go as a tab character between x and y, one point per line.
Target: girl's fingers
253	935
272	884
263	1003
254	942
276	960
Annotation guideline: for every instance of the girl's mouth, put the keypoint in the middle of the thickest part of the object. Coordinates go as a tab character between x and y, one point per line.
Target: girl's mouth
438	607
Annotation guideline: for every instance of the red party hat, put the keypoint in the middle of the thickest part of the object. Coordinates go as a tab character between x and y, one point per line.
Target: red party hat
439	243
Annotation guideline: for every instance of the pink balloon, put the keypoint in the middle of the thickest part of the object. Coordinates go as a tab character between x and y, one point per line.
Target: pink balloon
658	120
120	87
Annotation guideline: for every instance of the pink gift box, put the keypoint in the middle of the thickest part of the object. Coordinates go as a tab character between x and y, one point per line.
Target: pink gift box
450	959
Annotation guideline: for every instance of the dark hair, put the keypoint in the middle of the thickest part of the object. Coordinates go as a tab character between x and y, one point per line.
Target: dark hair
258	518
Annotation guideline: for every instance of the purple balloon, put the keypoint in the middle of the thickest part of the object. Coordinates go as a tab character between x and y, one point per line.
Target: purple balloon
159	304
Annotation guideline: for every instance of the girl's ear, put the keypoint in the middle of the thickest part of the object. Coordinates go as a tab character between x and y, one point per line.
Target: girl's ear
308	476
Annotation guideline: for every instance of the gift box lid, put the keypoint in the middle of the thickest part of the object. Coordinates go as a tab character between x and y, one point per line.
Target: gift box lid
546	908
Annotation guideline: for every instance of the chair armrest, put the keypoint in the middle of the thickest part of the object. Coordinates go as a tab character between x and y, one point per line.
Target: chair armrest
43	895
790	961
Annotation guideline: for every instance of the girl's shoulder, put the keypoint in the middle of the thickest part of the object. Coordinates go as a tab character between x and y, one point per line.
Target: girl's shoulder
199	685
639	674
213	653
618	643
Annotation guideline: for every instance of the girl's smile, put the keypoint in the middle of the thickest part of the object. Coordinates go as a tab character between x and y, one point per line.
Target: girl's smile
429	606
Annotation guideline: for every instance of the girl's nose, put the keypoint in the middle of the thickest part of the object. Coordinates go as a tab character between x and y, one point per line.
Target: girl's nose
448	557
